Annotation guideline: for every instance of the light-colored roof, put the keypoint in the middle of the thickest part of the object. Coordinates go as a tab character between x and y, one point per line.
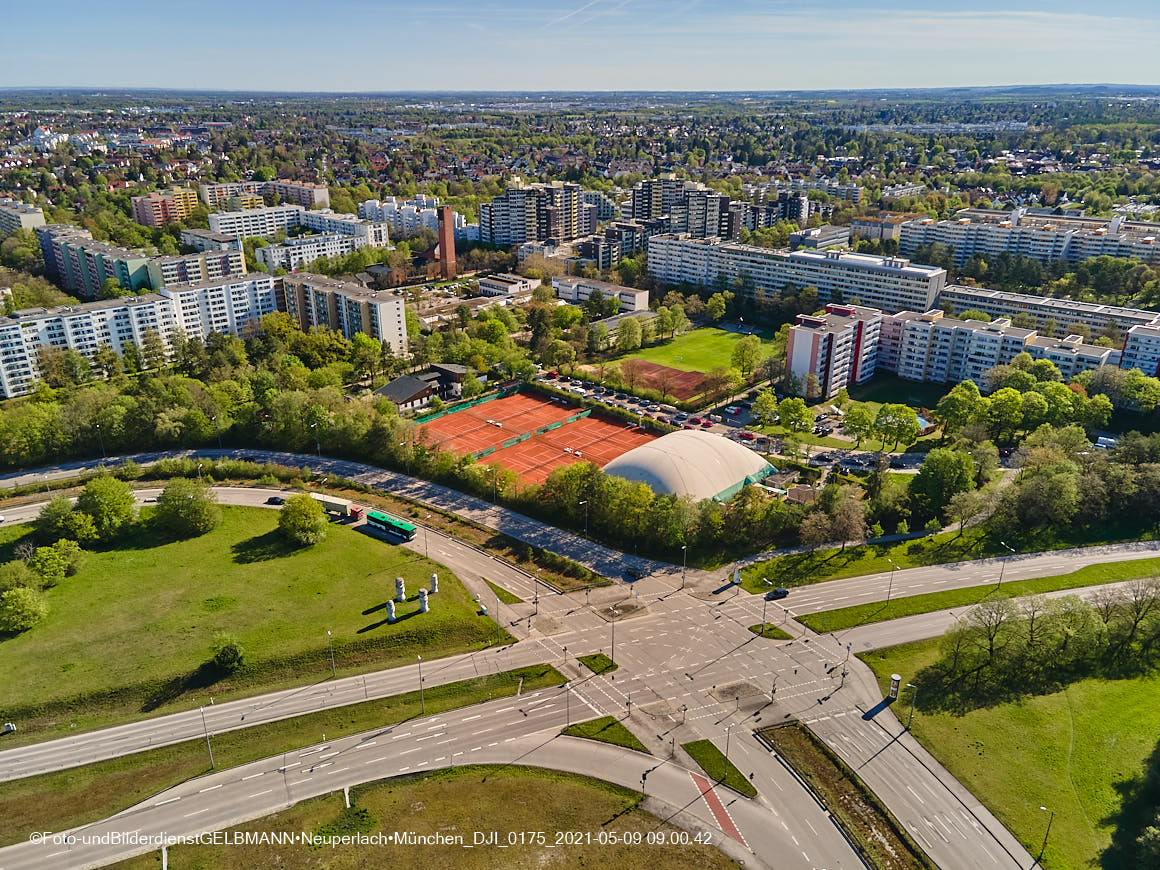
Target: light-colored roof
690	462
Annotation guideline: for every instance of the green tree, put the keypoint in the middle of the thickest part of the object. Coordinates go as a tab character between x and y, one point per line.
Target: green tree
715	307
21	609
859	423
962	405
365	353
794	415
747	355
898	424
228	654
17	575
302	520
628	334
944	472
51	522
110	503
49	564
765	407
472	386
152	349
1005	411
187	508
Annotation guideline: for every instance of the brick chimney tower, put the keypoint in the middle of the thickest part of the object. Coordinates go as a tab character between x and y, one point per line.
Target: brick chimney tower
446	242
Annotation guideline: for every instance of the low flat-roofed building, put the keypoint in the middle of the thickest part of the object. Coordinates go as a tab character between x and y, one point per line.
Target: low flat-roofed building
577	290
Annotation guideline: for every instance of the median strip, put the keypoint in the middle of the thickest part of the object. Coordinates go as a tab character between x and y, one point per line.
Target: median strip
914	605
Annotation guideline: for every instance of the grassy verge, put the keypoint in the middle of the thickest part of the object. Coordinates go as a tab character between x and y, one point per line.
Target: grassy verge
56	801
802	569
129	635
503	595
876	834
770	631
606	729
1078	751
912	605
506	800
718	767
598	663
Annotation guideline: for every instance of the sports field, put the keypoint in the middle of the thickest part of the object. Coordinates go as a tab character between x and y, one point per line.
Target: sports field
531	435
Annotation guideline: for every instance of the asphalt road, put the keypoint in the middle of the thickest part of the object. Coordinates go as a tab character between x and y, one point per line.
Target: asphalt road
689	668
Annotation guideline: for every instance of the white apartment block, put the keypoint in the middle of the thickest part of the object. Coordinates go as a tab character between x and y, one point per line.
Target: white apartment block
1142	350
1064	312
407	216
208	240
256	221
16	215
315	300
578	290
225	305
83	328
507	285
190	268
887	283
299	251
1038	237
838	348
376	234
197	309
941	349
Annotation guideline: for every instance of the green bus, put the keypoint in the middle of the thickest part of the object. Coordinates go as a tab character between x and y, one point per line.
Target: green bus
380	522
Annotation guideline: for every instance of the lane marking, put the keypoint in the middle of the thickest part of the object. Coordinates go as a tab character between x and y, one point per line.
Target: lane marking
211	788
260	793
724	820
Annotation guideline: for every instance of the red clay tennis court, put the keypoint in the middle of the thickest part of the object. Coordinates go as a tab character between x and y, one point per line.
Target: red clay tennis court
591	439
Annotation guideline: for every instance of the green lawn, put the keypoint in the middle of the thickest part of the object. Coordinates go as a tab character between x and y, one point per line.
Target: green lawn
68	798
885	389
697	351
598	663
509	800
606	729
879	611
801	569
503	595
1073	751
127	635
720	769
770	631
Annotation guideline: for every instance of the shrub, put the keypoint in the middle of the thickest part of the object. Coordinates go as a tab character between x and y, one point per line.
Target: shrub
110	503
228	654
21	609
17	575
302	520
187	508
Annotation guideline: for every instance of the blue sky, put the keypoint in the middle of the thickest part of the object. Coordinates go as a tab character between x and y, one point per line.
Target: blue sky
577	44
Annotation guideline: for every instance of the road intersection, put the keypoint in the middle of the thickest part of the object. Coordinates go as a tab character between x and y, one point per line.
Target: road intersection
689	669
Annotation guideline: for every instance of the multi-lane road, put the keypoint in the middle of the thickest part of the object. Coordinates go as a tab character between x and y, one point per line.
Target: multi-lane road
689	668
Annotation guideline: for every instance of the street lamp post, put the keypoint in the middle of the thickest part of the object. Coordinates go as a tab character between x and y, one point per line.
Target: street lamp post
330	643
426	519
615	613
101	438
205	728
1046	834
725	772
913	696
568	704
422	705
218	430
890	587
317	440
585	503
1003	564
684	563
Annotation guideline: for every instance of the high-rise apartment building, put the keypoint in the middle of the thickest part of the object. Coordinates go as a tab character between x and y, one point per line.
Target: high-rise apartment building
193	268
82	265
303	193
229	305
164	207
407	216
533	213
1142	350
835	350
887	283
315	300
1064	312
217	195
1042	237
16	215
256	221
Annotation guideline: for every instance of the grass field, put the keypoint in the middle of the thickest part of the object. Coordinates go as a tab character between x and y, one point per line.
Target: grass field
503	595
128	634
598	663
1072	751
885	389
698	350
506	800
770	631
720	769
606	729
55	801
879	611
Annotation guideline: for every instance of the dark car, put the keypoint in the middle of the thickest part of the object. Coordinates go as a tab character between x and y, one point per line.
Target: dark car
774	594
897	463
275	499
635	573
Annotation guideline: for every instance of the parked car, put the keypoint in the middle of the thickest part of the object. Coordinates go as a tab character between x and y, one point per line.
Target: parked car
706	424
747	435
275	499
696	421
621	396
733	409
8	728
896	463
635	573
716	418
775	594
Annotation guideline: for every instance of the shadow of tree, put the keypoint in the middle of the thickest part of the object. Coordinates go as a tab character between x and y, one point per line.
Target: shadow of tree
262	548
205	675
1139	807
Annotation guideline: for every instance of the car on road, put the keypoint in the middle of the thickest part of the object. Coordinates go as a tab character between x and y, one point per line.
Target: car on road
1	519
897	463
275	499
635	572
775	594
